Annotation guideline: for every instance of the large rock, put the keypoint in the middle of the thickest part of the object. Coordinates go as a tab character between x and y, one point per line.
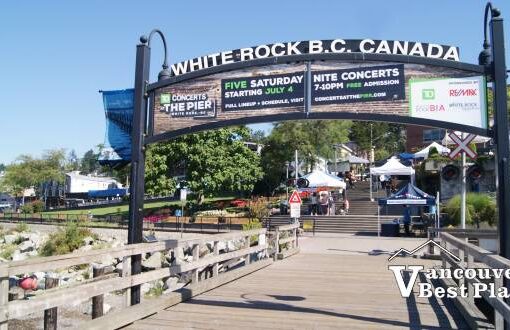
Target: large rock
171	283
88	240
26	246
153	262
18	255
9	239
203	251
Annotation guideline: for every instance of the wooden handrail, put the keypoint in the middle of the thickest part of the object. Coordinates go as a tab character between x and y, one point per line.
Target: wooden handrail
82	292
473	254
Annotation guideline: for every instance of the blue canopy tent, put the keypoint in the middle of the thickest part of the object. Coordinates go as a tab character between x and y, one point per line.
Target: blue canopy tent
407	195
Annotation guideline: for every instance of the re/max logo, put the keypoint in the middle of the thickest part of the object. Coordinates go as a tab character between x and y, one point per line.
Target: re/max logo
464	92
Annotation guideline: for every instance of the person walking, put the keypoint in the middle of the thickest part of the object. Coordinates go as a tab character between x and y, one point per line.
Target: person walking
314	204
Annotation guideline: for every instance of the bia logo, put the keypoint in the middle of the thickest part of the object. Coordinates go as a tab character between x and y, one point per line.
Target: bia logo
463	92
165	98
428	94
430	108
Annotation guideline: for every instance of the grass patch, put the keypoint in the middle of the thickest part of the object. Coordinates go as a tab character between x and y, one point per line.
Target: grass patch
65	240
123	209
156	290
22	227
7	251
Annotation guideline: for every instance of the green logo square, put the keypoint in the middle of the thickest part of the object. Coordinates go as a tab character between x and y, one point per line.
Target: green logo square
428	94
165	98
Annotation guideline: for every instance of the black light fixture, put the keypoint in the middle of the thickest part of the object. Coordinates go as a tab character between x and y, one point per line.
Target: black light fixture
165	73
485	55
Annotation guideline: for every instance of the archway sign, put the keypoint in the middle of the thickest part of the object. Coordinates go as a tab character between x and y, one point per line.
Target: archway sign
377	80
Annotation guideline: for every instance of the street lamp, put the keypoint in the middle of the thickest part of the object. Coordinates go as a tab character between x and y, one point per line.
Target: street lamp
287	163
335	146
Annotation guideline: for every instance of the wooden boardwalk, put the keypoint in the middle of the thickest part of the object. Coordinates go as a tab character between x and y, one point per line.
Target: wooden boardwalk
311	291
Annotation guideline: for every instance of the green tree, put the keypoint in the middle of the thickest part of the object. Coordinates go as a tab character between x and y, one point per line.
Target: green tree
213	161
73	163
27	171
312	139
385	136
2	167
89	163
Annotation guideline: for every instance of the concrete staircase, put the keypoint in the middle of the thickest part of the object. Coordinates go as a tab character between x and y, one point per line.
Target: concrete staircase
362	217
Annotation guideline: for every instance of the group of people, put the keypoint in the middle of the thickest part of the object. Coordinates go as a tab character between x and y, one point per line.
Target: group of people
388	183
324	203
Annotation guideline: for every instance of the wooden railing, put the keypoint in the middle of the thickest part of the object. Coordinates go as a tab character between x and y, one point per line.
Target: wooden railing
286	240
253	243
472	256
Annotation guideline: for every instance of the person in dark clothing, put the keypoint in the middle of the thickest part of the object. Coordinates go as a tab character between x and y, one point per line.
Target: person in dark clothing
407	220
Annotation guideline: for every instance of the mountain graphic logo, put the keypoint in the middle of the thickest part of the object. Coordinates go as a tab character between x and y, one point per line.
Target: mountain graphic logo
406	252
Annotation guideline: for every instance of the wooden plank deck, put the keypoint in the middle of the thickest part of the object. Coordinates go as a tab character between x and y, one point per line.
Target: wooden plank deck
311	291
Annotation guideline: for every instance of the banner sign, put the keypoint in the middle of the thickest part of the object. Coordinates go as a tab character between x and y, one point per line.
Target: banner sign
380	83
356	87
366	46
250	93
118	106
455	100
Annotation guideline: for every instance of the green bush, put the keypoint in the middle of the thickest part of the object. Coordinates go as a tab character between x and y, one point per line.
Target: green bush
7	251
479	208
27	208
38	206
65	240
22	227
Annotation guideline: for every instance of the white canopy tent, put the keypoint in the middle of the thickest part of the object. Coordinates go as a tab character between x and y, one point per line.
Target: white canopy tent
321	179
424	153
392	167
357	160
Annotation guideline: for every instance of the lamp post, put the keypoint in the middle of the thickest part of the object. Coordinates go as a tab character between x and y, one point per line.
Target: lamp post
138	133
287	163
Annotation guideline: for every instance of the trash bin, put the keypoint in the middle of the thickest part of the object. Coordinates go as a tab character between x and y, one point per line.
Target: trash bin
284	208
390	229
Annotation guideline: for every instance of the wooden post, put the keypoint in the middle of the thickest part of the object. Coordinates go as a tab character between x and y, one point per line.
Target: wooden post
4	293
126	271
247	246
277	243
97	301
196	256
216	265
295	242
50	315
471	289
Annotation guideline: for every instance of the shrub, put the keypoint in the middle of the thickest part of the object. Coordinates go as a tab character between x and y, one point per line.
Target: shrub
479	208
38	206
156	290
27	208
22	227
7	251
433	151
258	208
253	225
65	240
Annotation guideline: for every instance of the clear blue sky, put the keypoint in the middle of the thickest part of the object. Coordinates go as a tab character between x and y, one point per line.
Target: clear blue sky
56	55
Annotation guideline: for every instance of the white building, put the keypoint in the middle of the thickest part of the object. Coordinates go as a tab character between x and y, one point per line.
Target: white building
77	183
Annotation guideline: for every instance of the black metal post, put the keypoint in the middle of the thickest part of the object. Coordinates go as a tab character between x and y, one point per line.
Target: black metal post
501	132
135	226
501	137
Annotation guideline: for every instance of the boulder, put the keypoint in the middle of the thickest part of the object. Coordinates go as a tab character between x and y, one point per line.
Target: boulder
26	246
153	262
85	248
203	251
9	239
88	240
17	256
171	283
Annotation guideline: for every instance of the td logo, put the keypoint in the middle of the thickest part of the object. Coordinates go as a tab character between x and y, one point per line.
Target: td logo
165	98
428	94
